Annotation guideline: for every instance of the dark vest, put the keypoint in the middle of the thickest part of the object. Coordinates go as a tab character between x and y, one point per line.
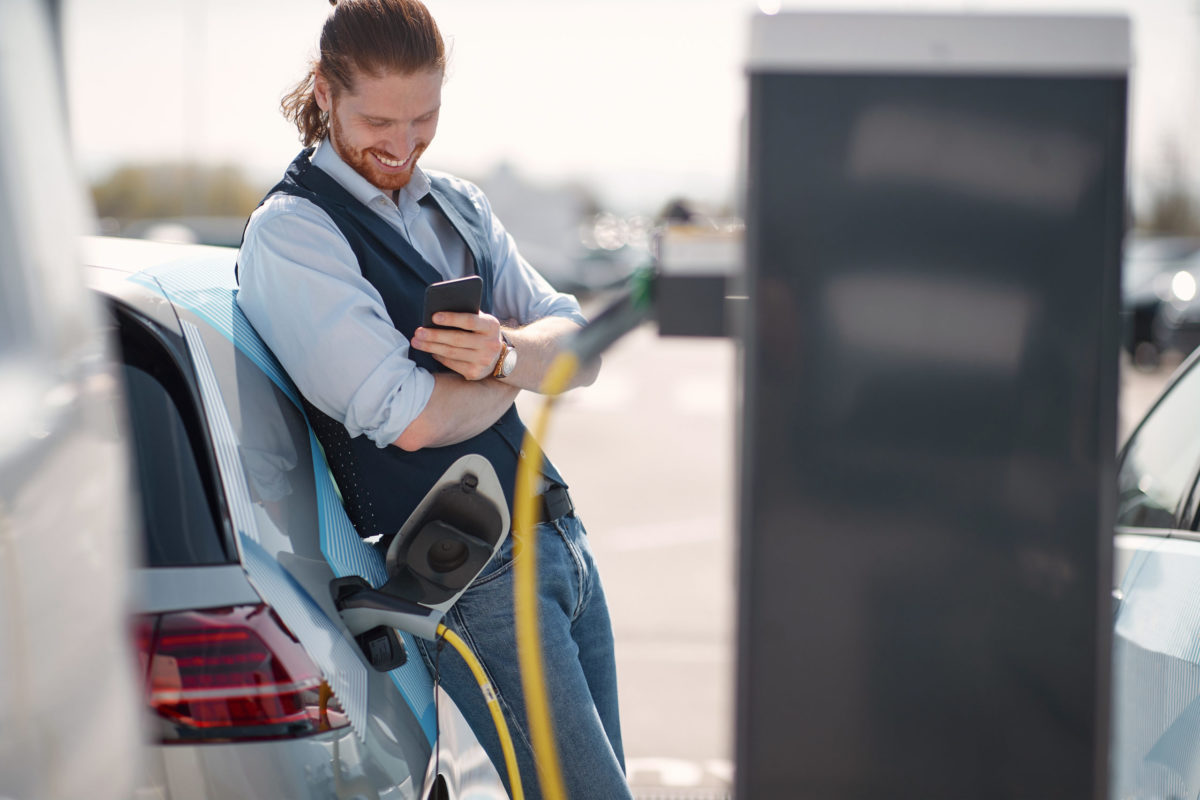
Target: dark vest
381	487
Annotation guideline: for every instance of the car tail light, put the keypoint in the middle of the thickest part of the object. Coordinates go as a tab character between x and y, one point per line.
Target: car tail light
232	674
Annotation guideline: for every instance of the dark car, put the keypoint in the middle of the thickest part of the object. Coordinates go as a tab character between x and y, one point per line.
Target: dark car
1153	293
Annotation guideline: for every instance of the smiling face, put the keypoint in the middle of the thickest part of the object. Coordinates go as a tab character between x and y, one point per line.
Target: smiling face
383	125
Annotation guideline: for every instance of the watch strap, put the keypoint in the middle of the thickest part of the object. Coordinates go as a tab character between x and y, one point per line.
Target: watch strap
498	370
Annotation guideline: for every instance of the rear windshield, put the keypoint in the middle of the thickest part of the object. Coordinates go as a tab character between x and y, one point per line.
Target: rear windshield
175	475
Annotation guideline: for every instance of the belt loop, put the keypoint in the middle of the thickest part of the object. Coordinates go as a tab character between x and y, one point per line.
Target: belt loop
556	502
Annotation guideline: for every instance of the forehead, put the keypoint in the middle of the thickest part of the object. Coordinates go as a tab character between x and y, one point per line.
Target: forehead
394	93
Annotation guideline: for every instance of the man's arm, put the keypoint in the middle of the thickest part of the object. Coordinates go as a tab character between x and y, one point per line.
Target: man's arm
303	292
473	345
457	410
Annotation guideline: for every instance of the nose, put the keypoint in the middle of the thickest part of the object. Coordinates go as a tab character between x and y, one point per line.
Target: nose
402	142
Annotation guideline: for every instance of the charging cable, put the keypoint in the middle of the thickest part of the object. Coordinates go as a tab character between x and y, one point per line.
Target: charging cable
493	704
619	318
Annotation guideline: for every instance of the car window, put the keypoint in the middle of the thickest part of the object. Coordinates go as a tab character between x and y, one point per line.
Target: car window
275	450
178	497
1161	459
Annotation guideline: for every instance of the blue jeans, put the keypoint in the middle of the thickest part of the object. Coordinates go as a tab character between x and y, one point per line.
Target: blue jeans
581	676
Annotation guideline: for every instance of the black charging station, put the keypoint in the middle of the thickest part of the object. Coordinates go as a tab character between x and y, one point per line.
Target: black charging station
934	225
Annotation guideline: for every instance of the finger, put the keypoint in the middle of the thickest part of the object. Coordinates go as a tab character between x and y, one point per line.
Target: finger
479	323
469	370
456	319
463	346
472	346
451	337
470	364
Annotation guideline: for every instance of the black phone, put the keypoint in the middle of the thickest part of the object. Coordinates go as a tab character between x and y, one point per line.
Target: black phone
461	294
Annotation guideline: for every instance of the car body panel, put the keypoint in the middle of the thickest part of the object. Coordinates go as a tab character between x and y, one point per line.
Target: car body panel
68	678
165	589
330	765
1156	669
293	537
1156	611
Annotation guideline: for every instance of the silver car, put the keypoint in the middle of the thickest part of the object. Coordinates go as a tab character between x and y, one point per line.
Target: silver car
255	686
70	721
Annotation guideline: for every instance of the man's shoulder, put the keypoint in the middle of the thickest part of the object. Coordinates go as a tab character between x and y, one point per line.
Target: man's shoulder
283	220
454	183
281	208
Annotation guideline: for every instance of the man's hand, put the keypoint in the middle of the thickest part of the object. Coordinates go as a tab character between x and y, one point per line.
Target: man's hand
463	405
470	346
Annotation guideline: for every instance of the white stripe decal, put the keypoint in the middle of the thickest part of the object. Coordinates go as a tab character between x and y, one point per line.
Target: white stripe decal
205	289
318	634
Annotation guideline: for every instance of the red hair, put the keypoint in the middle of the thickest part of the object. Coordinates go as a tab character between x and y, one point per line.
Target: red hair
376	37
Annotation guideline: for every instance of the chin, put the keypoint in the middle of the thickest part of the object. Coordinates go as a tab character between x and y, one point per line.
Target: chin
390	183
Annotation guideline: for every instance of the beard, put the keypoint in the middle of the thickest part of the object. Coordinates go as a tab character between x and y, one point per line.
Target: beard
361	160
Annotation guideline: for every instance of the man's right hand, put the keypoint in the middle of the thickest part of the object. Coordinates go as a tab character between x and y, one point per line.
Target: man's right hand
470	347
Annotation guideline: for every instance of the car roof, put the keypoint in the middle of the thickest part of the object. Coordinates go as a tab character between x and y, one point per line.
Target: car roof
135	272
132	256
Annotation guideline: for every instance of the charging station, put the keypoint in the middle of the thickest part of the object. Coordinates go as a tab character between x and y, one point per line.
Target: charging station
933	235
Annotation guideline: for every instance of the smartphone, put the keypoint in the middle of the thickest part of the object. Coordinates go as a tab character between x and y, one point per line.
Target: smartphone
461	295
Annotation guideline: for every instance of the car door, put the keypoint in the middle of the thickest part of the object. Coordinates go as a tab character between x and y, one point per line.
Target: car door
1156	600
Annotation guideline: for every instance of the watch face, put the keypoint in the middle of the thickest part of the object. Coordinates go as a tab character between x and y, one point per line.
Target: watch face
510	363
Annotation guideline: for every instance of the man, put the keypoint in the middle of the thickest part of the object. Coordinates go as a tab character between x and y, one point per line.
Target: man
333	270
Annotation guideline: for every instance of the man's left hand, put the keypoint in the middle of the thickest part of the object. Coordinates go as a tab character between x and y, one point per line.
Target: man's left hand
470	345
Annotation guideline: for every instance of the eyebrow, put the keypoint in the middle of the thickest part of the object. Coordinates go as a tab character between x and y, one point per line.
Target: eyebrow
373	118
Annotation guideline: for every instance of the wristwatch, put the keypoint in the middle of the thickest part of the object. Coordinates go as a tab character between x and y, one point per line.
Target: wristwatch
507	361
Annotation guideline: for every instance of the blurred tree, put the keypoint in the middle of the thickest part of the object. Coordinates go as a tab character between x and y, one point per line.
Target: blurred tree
151	191
1172	207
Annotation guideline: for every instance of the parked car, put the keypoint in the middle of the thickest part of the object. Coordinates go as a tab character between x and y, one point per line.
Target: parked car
1177	324
255	686
1156	600
1159	307
70	725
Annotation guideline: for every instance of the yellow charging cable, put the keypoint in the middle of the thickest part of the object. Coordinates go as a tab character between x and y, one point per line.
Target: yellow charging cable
615	321
529	640
493	704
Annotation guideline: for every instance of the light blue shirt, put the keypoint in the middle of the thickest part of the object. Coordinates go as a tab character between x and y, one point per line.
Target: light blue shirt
302	290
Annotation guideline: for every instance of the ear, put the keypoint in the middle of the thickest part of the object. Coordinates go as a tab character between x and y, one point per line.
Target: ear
322	92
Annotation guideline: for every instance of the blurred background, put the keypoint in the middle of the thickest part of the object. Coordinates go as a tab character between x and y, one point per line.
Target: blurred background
585	121
582	120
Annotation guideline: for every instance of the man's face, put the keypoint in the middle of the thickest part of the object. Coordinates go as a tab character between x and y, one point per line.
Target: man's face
382	127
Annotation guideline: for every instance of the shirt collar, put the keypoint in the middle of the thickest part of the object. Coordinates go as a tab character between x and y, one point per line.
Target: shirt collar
363	190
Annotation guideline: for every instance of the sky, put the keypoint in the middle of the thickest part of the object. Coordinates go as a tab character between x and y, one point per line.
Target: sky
640	99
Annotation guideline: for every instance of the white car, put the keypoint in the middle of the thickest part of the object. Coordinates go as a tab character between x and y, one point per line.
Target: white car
256	687
68	686
1156	600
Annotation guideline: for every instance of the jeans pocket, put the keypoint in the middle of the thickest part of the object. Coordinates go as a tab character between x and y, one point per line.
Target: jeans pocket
499	564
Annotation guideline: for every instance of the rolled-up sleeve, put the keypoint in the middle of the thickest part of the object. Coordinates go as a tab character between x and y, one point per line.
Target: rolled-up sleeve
302	290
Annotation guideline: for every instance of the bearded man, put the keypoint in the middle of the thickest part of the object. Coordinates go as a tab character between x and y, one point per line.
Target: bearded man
333	270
